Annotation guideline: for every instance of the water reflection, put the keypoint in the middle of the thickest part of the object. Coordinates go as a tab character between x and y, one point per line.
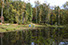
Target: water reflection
40	36
32	43
63	43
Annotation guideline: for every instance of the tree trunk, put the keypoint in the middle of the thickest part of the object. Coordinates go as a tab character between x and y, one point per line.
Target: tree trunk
2	11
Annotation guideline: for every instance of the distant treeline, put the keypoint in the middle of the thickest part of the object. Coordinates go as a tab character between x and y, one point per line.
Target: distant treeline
23	13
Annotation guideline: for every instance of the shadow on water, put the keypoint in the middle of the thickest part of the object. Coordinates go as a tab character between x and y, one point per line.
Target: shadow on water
40	36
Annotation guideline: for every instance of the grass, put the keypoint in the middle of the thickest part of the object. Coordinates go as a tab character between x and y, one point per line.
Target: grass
54	25
11	27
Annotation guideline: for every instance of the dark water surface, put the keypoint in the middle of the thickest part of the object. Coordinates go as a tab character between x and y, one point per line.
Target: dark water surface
40	36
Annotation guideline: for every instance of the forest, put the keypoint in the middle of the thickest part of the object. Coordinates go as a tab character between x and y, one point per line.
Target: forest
23	24
20	12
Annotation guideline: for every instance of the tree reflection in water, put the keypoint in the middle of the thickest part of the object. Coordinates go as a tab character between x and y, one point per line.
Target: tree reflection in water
40	36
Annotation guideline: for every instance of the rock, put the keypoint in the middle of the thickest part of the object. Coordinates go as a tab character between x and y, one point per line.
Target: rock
7	24
0	23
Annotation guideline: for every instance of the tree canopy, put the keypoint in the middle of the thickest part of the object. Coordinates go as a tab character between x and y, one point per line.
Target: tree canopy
22	13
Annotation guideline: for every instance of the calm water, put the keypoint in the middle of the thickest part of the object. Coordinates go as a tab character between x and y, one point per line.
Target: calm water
40	36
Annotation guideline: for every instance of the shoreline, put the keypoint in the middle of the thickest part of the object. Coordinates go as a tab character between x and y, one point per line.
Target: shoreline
11	27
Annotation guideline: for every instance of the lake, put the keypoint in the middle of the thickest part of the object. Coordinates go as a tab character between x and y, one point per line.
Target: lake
40	36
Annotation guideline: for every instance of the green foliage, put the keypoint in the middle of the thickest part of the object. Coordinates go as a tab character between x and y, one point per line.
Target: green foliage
17	12
40	13
23	13
66	5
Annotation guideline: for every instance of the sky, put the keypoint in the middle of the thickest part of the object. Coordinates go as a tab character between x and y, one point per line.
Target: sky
51	2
